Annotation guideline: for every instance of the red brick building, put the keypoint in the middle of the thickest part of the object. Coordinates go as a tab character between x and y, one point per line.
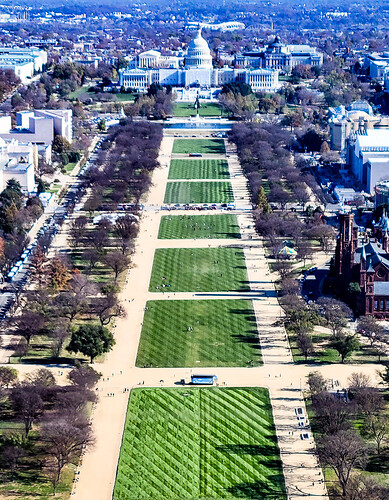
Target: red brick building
363	260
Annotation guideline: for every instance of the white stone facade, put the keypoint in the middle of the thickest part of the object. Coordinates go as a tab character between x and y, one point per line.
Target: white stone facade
197	71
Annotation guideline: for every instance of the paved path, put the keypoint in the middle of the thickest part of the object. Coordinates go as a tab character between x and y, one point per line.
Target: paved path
284	380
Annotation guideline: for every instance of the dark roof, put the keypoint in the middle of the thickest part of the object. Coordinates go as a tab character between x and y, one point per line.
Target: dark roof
374	255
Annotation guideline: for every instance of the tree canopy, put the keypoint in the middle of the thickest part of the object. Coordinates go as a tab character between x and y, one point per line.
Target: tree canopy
91	340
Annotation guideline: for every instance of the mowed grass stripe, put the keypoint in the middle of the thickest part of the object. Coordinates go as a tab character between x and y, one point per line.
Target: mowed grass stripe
224	455
265	448
199	192
203	146
199	333
199	169
199	270
199	227
188	109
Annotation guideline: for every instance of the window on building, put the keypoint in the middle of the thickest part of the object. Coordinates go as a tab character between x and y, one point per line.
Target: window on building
382	305
376	304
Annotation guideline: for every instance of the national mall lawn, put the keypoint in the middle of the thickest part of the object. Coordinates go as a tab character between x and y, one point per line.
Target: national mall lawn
203	146
189	443
199	169
219	269
199	333
199	192
199	226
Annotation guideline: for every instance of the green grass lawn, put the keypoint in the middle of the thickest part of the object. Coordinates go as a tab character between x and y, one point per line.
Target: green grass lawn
198	270
80	91
199	169
187	109
55	187
31	483
198	226
199	192
125	97
204	146
185	333
323	353
69	167
190	443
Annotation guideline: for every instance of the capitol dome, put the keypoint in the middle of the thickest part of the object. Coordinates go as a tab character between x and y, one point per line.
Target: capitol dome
198	54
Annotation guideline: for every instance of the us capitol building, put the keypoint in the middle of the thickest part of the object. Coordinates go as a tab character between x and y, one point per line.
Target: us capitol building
194	69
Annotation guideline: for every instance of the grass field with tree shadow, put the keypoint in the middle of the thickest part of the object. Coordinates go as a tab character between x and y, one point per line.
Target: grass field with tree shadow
199	333
190	443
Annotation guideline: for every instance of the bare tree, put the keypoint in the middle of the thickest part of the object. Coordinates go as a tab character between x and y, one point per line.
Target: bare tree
77	229
358	380
84	376
283	268
11	455
117	261
70	305
8	376
369	327
301	193
316	383
108	308
98	238
325	234
362	487
126	229
73	399
343	452
336	314
290	286
369	400
65	439
93	203
59	335
28	404
377	428
305	345
304	250
92	257
42	377
331	413
29	324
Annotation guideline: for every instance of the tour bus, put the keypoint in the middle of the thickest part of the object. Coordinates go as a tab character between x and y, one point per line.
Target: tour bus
203	379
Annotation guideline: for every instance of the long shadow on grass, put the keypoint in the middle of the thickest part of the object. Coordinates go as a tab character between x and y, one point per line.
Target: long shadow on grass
260	489
228	235
252	340
379	463
266	456
247	312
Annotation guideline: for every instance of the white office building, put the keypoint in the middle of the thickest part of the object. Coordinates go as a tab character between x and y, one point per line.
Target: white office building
23	61
18	161
368	157
357	116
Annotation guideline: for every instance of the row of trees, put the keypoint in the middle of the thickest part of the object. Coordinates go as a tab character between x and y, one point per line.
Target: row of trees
16	218
268	163
8	81
122	172
344	446
301	319
57	415
62	305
